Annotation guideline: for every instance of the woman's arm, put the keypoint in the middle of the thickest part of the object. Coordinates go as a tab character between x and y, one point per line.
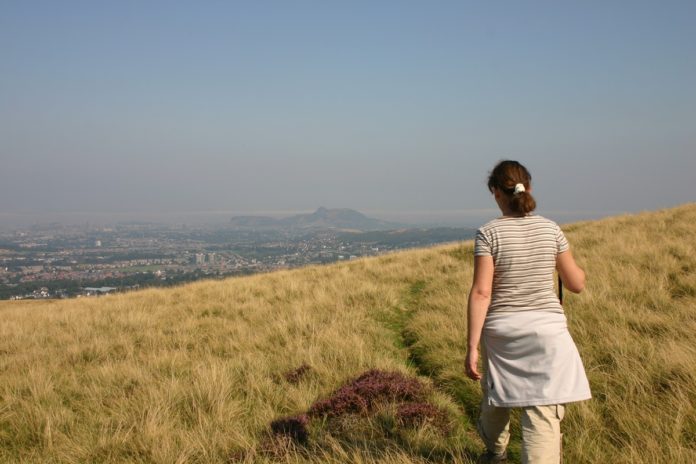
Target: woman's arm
479	300
572	275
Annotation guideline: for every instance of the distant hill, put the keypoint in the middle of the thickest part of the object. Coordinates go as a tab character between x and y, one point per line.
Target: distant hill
322	218
196	373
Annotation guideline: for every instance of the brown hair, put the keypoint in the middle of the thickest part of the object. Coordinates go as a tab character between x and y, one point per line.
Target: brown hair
504	177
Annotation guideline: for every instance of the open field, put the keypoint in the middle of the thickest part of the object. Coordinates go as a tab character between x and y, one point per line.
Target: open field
195	373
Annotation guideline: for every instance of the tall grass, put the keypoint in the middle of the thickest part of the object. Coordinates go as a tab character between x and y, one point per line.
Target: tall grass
195	373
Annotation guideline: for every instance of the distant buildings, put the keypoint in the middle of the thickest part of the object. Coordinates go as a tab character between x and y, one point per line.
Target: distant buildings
63	259
98	290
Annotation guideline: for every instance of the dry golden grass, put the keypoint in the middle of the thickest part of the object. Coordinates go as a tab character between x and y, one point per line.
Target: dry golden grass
194	373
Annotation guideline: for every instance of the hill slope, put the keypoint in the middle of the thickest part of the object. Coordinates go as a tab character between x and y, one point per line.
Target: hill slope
195	373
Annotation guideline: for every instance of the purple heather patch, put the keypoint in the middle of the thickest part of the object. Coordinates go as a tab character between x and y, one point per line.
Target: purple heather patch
295	375
294	427
362	393
416	414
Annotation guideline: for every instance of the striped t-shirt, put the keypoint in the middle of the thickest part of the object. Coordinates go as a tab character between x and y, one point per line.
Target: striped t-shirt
524	251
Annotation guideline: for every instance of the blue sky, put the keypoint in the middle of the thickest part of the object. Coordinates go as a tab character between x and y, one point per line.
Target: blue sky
385	107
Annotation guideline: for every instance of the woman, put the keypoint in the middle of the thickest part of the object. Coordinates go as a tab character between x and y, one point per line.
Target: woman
529	357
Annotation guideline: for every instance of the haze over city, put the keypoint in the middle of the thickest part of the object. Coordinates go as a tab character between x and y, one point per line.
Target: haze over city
197	112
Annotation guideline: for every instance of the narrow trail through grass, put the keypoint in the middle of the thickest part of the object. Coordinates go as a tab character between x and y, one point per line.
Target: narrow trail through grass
443	368
416	356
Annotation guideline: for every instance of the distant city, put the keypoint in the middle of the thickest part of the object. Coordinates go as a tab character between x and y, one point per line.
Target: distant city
62	261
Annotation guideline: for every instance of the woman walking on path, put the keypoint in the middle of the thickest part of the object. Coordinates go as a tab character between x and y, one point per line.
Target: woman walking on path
530	360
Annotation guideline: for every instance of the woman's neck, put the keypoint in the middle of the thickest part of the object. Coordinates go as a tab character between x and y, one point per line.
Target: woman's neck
510	213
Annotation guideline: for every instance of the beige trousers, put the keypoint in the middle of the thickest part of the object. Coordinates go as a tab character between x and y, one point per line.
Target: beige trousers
541	431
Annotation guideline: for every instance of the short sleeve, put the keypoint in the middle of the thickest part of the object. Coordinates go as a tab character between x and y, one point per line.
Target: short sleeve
561	242
482	246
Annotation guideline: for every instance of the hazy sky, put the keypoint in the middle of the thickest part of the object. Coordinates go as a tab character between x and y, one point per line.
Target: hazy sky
157	107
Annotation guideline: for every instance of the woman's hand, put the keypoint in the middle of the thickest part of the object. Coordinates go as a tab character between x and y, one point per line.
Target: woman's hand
472	356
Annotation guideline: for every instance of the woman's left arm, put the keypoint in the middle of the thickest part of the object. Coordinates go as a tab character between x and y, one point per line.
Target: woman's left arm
479	300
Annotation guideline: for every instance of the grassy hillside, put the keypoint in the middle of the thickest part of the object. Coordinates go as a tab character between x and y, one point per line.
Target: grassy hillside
197	373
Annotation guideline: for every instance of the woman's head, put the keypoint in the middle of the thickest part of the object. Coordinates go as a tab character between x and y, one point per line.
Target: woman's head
504	178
